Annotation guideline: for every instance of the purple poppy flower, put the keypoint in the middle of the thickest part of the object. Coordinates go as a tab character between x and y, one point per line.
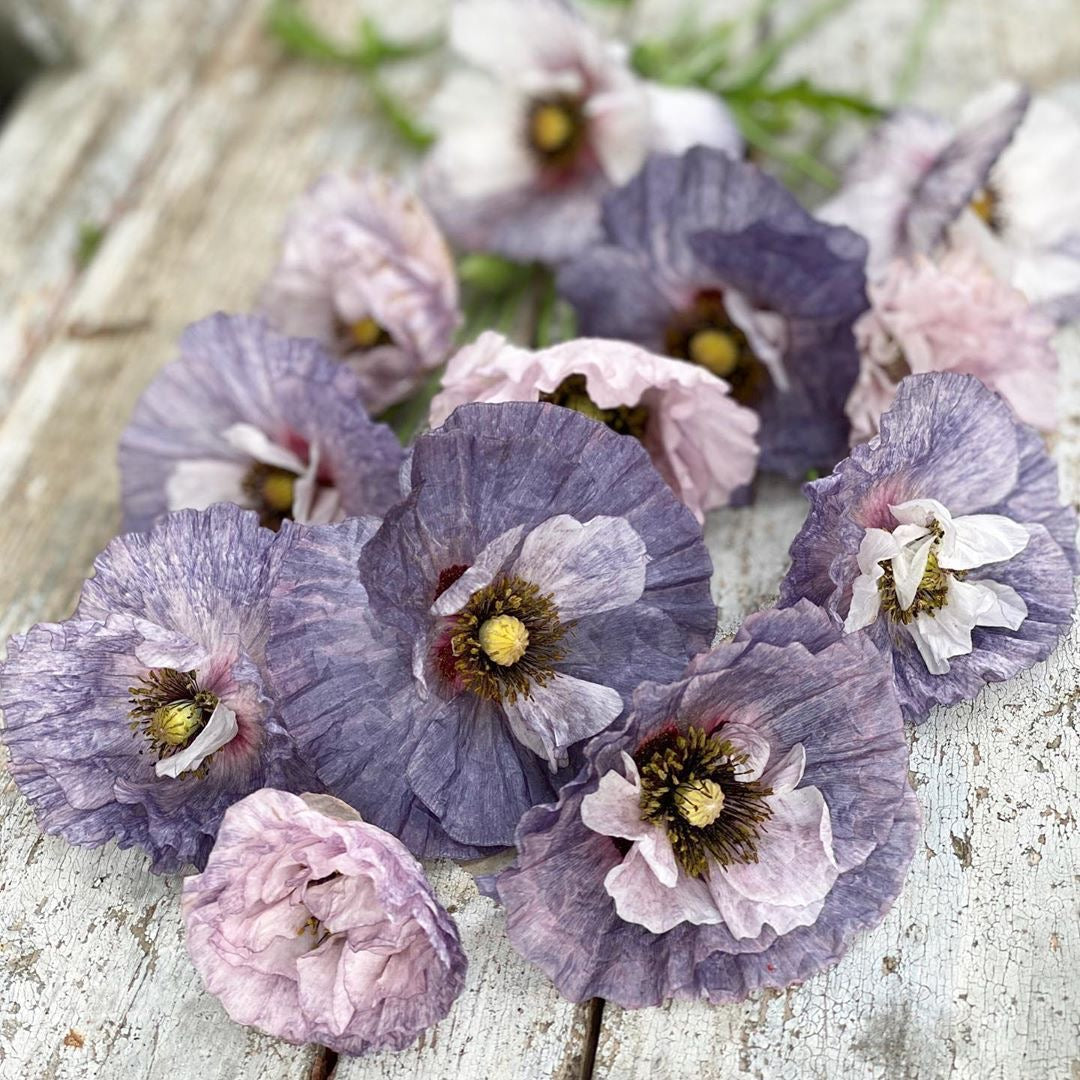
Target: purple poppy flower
734	833
365	270
944	539
143	717
313	926
441	675
917	173
709	260
267	422
998	181
546	118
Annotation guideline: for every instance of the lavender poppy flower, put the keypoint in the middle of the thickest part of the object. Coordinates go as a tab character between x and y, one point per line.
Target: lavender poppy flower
264	421
734	833
700	440
709	260
365	270
917	173
143	717
999	180
313	926
952	316
548	117
944	539
441	675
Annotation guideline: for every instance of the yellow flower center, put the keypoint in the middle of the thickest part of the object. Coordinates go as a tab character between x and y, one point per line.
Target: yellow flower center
278	487
175	723
366	333
551	128
984	203
715	350
504	639
699	802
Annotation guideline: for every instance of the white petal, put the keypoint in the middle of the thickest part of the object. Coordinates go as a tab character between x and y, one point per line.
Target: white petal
766	331
640	897
563	712
312	504
220	729
908	569
921	512
978	539
589	568
487	567
326	507
877	545
947	632
196	485
785	774
865	602
257	444
682	117
1009	609
614	809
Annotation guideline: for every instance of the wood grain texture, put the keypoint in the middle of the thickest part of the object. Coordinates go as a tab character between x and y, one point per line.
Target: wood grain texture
185	135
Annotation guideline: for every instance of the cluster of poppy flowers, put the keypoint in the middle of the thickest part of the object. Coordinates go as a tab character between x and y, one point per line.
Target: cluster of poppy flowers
314	655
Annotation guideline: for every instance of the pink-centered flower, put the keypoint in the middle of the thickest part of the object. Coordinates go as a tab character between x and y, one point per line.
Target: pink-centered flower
313	926
365	270
546	119
699	438
955	315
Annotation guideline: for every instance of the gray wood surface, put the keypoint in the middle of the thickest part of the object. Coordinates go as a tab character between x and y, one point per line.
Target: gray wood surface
183	133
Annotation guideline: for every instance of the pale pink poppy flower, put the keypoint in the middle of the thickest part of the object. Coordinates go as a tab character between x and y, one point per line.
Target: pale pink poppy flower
365	270
958	316
313	926
700	440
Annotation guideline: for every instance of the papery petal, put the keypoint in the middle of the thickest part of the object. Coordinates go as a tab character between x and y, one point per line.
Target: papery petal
488	565
641	898
588	568
978	539
1008	610
560	713
220	729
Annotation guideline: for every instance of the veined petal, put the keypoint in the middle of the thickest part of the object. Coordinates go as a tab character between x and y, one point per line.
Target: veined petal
251	440
785	774
978	539
1008	610
589	568
908	569
487	567
561	713
199	484
220	729
640	897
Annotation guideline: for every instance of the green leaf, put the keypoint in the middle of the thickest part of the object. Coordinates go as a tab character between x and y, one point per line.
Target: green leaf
809	95
398	116
407	418
91	234
490	273
765	59
299	36
760	137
